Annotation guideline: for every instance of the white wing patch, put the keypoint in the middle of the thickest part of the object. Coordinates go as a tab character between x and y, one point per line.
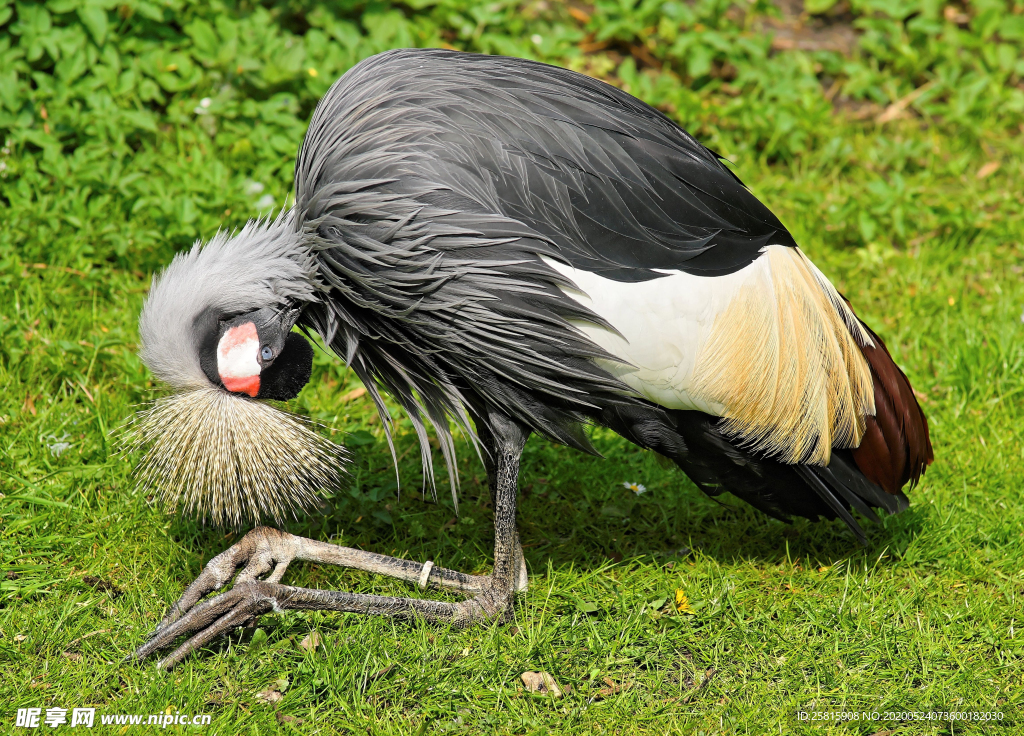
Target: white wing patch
772	348
663	324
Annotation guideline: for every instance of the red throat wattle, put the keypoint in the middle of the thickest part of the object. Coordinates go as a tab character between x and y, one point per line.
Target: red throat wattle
237	361
250	385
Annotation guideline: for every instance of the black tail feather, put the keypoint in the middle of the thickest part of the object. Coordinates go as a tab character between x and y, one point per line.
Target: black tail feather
842	511
717	464
846	473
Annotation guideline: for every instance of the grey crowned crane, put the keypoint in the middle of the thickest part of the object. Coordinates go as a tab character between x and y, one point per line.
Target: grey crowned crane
513	248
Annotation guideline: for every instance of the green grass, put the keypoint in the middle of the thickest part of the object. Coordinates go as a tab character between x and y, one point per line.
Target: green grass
121	171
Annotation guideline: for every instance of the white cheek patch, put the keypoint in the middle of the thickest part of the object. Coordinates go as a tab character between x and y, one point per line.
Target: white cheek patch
237	352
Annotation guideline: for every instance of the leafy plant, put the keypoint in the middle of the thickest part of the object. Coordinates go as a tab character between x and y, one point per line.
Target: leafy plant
131	128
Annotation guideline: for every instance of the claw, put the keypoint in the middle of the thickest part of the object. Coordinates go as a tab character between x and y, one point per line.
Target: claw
211	619
261	550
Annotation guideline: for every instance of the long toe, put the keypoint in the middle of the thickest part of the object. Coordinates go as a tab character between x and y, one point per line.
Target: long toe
211	618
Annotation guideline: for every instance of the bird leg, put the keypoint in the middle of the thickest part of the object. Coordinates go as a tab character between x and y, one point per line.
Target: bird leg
268	552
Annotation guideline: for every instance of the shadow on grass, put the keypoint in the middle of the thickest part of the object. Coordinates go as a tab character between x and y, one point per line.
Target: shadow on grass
573	511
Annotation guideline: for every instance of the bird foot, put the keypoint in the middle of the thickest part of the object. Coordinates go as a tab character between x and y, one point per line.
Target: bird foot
260	560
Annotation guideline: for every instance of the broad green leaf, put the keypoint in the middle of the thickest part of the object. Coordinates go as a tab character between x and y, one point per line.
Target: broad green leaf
142	119
64	6
258	641
1011	27
149	10
95	19
204	38
9	90
700	60
359	438
33	21
816	7
71	67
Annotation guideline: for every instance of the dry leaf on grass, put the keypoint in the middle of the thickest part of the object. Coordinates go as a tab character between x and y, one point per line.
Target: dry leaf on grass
953	15
541	683
380	673
898	109
90	634
987	169
612	689
353	394
311	642
273	694
73	656
282	718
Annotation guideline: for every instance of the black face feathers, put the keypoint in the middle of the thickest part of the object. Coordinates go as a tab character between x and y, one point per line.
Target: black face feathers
290	371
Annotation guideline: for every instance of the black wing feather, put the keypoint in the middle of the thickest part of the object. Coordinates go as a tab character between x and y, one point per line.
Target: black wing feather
433	183
612	183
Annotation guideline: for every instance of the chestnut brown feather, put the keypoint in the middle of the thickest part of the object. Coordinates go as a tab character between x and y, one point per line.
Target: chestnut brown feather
896	447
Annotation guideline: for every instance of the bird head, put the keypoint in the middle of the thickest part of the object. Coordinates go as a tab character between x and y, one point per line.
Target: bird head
217	328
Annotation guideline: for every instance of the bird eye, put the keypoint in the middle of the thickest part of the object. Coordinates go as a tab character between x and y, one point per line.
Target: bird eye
267	353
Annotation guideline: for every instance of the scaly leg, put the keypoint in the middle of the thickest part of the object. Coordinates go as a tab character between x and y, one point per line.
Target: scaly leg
266	550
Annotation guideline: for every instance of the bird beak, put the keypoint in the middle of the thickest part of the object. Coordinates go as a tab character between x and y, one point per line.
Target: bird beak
289	318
